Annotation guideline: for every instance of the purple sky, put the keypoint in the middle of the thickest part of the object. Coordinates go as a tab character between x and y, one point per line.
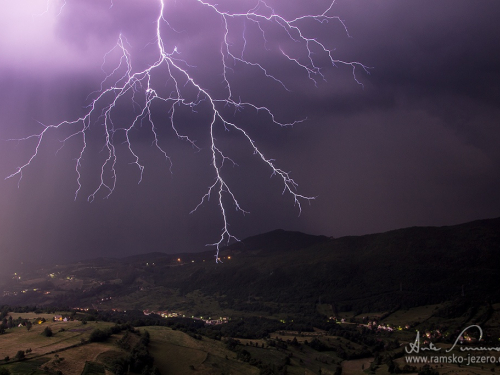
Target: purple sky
418	145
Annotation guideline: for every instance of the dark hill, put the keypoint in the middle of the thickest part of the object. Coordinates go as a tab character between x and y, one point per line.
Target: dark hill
277	241
146	257
292	271
411	266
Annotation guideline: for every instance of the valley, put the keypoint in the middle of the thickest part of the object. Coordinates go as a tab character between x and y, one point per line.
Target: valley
281	302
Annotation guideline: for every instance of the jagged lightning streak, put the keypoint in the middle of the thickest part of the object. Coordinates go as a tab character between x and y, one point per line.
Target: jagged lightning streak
124	84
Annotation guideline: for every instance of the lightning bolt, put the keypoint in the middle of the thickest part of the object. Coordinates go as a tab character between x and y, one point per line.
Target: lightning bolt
124	84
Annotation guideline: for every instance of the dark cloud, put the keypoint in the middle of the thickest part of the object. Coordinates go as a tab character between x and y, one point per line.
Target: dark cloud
417	145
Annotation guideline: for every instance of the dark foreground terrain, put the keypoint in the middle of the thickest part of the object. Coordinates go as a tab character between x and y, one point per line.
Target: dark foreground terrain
280	302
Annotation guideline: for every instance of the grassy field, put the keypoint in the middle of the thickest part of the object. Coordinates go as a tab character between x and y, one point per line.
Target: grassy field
70	361
356	367
60	352
27	367
74	359
64	334
413	315
177	353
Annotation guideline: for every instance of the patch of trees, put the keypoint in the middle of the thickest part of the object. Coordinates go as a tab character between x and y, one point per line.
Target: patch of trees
250	328
123	342
247	328
139	360
100	335
47	332
93	368
265	368
8	322
5	309
20	355
366	337
277	343
318	345
134	318
185	324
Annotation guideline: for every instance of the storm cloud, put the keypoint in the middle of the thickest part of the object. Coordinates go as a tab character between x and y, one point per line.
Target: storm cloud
416	144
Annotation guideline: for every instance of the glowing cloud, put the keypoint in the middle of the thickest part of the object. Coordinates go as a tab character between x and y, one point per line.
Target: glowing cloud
244	32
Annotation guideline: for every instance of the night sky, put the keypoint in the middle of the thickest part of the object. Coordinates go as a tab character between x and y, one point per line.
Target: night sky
416	145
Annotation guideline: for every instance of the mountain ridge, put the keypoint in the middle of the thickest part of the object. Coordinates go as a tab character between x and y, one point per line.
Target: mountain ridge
403	267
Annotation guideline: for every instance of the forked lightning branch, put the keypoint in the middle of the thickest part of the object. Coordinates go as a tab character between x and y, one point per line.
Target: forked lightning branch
142	88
